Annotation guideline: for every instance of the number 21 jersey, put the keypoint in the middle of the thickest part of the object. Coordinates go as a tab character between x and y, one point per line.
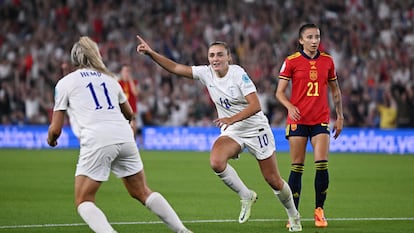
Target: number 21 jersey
309	78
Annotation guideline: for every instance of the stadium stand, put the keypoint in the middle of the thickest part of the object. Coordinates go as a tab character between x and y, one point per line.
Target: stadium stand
372	43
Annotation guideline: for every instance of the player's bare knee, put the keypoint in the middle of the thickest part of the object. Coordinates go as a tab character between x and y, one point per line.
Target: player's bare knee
217	166
275	182
141	196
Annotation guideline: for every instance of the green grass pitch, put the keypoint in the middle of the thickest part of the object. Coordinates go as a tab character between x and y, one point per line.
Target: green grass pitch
368	193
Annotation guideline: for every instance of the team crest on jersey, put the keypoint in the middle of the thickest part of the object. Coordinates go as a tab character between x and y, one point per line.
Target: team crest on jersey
313	75
293	127
246	78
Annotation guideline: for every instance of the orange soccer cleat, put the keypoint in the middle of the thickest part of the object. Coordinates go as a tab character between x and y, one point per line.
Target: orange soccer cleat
320	220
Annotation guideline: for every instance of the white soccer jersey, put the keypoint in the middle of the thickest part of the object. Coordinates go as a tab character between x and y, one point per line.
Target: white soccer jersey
92	100
228	94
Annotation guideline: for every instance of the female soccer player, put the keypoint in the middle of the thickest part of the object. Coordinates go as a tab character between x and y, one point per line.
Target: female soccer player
311	72
99	113
243	125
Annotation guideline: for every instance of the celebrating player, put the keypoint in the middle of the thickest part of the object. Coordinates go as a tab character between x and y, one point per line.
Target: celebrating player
243	125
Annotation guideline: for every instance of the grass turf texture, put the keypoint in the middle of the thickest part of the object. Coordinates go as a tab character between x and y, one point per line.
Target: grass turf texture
368	193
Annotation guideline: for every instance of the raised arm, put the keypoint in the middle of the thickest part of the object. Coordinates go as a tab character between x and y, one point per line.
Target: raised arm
164	62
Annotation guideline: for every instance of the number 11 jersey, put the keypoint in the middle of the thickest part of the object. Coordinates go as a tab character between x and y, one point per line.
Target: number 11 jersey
92	100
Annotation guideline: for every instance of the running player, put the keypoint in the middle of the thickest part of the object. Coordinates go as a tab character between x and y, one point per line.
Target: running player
100	112
243	125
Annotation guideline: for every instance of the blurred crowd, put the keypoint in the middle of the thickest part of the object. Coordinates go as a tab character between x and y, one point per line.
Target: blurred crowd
371	41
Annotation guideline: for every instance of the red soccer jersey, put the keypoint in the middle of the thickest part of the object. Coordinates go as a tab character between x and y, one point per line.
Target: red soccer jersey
129	94
309	78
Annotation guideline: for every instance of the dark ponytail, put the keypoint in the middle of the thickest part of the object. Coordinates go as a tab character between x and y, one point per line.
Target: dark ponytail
301	30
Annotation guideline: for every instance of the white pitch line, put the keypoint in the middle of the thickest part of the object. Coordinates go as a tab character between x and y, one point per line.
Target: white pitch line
202	221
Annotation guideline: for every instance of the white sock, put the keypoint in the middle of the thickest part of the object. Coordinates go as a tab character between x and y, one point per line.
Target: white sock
160	206
230	177
94	217
286	198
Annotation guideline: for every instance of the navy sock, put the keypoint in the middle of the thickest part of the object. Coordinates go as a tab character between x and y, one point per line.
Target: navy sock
321	182
295	182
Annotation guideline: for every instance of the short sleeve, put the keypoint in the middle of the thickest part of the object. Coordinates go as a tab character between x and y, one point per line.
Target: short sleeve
285	71
246	85
61	97
121	95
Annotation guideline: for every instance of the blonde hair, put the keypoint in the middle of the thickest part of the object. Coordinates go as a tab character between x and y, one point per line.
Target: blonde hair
85	54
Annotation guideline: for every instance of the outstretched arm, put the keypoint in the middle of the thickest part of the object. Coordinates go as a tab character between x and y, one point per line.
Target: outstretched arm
164	62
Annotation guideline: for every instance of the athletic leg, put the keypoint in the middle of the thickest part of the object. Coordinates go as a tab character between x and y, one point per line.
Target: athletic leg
224	149
297	154
320	145
270	171
85	191
272	176
154	201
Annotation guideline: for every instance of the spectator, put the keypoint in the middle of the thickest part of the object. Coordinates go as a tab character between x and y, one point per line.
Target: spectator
405	107
370	34
387	110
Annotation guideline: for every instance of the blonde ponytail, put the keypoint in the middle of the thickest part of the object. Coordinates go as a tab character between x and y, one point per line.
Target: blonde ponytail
85	54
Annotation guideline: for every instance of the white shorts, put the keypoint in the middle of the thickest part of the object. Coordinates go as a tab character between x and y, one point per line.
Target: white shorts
262	145
122	159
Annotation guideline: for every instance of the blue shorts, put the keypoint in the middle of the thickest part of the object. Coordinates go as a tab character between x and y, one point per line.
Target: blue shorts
306	130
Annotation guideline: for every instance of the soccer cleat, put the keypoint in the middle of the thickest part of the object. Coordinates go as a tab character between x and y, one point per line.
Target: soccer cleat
294	224
320	220
185	230
246	206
